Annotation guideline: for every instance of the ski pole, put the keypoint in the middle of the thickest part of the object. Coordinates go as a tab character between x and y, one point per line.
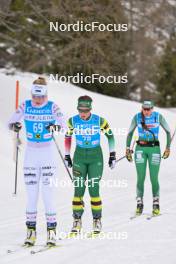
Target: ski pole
17	139
123	157
60	153
173	135
16	163
132	151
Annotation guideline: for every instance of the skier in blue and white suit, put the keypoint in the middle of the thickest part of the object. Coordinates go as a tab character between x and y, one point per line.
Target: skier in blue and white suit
40	165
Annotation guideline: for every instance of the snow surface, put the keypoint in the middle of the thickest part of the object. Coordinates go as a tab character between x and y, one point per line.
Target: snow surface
138	241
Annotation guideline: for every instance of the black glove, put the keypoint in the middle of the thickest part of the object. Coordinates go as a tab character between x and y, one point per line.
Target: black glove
16	127
52	127
68	161
112	160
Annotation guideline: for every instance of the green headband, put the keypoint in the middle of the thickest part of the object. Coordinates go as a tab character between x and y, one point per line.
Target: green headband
148	104
85	103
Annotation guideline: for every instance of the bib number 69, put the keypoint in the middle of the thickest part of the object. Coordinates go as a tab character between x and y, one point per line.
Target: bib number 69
38	127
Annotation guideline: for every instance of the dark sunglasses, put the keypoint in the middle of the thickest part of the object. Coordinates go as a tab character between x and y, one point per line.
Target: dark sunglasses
83	110
147	109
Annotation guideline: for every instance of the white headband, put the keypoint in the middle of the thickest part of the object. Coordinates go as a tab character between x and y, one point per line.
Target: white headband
39	90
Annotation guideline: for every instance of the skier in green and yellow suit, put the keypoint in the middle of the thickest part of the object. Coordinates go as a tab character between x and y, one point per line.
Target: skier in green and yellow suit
148	149
88	159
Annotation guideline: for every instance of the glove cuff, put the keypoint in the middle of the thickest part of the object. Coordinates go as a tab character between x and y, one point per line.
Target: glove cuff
113	154
67	156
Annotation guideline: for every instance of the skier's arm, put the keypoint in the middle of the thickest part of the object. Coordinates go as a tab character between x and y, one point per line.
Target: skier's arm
166	128
131	131
17	116
68	137
59	117
108	133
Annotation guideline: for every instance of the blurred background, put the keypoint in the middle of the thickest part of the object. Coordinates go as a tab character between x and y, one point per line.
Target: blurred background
146	52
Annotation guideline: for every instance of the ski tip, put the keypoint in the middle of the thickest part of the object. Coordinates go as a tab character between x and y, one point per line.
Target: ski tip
44	248
153	216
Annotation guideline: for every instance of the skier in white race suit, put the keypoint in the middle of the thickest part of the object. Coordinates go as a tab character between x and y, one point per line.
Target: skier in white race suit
40	116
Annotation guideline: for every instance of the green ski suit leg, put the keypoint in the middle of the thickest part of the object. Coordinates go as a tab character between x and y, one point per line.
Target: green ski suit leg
87	165
152	155
141	165
154	166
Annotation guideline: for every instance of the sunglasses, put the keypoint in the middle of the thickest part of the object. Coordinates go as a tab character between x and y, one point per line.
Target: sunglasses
147	109
83	110
41	97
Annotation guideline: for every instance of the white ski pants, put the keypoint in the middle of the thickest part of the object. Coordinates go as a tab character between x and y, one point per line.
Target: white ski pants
40	169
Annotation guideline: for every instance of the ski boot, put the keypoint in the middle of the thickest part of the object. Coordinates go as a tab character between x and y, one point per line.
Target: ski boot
31	236
156	207
140	206
51	236
77	225
97	225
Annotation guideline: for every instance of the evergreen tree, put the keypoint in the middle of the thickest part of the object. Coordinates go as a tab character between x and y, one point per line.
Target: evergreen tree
31	46
166	83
